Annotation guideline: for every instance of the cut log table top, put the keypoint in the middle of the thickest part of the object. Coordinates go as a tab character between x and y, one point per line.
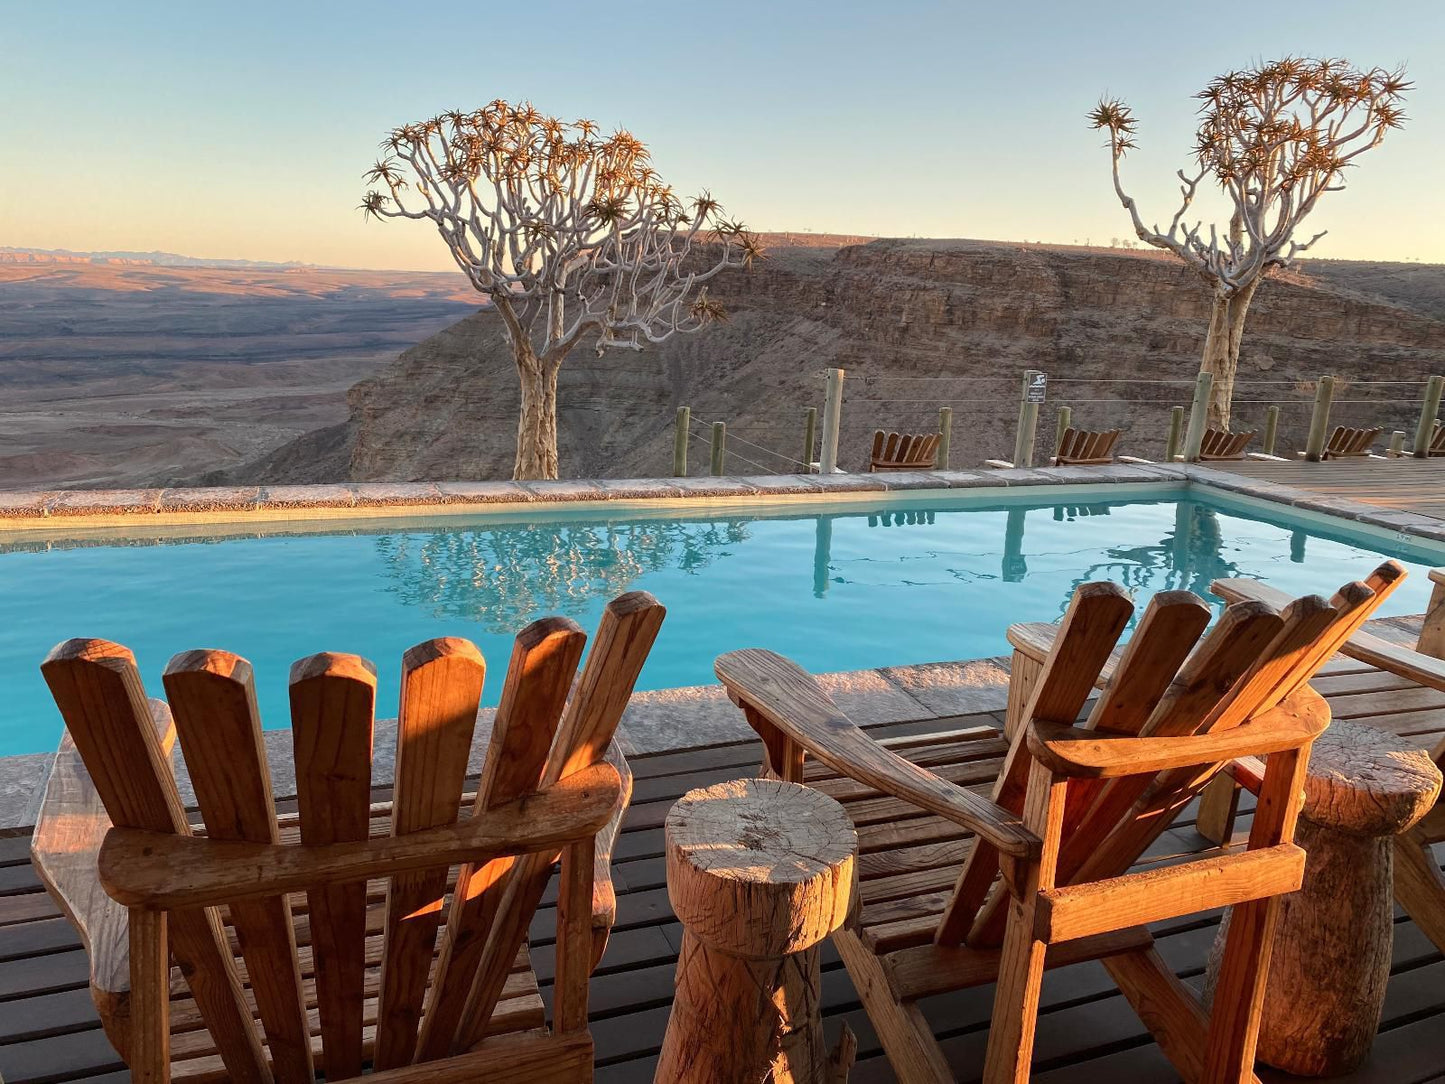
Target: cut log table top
1368	782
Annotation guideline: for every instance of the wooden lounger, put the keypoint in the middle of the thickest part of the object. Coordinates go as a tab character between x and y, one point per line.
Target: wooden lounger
903	451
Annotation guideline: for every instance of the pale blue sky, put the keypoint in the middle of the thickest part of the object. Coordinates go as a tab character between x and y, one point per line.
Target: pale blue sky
242	129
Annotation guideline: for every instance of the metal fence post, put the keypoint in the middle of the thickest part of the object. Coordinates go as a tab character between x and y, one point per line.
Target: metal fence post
832	411
945	435
1320	419
1176	433
1426	429
810	437
1271	428
719	447
1028	424
679	442
1198	416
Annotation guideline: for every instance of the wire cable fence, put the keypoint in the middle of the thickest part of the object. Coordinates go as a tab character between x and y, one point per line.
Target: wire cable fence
1160	419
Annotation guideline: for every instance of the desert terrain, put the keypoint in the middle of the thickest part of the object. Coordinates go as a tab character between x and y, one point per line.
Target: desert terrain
127	373
122	373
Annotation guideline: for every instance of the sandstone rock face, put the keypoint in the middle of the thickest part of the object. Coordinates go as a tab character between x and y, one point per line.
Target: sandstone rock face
917	325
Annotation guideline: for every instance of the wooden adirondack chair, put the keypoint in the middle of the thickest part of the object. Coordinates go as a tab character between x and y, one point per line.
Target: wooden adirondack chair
1419	883
1221	444
1082	447
1073	807
279	947
1437	443
903	451
1348	443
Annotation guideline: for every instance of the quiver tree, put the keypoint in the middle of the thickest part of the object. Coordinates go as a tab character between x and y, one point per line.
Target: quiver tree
570	236
1274	139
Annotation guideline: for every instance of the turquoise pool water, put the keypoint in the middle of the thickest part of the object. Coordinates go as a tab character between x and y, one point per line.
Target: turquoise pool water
845	589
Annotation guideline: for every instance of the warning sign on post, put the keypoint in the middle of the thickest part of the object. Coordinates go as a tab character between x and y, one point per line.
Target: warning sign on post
1038	385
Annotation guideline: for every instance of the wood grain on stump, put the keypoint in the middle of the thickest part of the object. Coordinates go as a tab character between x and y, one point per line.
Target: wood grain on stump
1331	954
758	871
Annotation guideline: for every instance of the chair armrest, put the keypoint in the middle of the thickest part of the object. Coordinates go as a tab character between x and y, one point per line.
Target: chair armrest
1035	639
604	896
1265	457
1089	754
789	698
1134	459
998	464
64	850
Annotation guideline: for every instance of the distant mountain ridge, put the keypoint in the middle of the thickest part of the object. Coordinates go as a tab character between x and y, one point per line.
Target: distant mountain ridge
146	259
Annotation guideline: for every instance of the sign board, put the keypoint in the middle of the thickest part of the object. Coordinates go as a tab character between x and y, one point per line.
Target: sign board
1037	386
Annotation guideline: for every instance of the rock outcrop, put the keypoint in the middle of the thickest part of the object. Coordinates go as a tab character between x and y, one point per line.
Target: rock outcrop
917	324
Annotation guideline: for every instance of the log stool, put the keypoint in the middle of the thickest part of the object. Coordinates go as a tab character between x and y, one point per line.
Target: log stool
759	871
1331	954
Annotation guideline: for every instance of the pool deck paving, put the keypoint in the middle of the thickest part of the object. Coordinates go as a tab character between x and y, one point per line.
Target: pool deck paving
678	739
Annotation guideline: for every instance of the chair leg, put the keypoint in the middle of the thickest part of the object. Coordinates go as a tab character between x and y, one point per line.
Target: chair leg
1218	805
1420	886
1239	993
1016	1002
907	1039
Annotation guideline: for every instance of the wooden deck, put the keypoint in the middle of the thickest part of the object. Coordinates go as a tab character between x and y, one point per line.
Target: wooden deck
49	1032
1406	484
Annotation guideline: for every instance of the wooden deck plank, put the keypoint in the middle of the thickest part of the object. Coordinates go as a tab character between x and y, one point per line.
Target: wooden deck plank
1407	484
48	1030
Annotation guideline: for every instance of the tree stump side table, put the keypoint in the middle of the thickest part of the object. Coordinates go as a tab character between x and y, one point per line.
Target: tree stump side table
1331	953
759	872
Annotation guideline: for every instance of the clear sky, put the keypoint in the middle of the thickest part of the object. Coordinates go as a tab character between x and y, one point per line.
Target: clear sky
241	129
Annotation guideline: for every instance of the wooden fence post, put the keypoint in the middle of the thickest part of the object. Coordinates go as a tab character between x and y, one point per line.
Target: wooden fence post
1176	433
832	412
719	447
945	434
1028	424
1198	417
1320	419
1271	428
1426	429
810	437
679	442
1397	444
1066	418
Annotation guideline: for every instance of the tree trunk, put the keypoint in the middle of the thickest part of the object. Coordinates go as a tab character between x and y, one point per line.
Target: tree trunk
537	418
1221	350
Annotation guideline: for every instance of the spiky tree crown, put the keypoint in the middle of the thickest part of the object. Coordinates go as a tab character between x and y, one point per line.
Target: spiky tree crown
1275	138
539	212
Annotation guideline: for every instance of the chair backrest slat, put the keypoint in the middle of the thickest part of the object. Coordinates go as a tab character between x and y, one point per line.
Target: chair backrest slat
544	662
624	636
441	688
1085	447
1222	444
100	696
333	709
213	700
903	451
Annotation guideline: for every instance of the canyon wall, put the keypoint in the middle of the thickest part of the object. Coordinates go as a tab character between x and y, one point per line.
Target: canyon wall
917	324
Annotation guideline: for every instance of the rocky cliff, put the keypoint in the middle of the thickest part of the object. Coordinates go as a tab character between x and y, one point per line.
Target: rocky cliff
917	324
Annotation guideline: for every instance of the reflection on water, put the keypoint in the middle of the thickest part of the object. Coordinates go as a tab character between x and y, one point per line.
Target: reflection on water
505	576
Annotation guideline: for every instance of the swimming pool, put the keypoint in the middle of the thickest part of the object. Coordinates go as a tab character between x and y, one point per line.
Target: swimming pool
849	585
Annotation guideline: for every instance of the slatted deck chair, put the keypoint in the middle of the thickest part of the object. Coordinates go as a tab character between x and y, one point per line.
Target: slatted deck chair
1419	883
903	451
335	940
1437	443
1219	444
1348	443
1085	448
1071	809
